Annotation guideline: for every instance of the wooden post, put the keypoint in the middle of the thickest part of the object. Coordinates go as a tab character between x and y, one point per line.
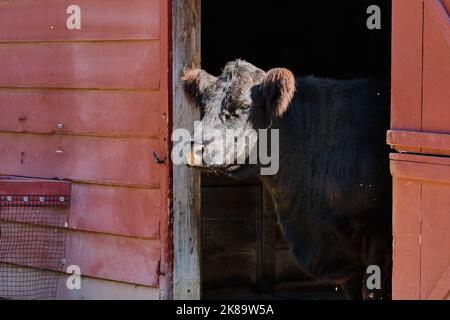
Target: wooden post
186	182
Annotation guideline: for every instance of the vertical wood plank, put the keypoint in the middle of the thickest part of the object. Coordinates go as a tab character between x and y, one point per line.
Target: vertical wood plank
166	263
268	239
186	182
406	212
406	77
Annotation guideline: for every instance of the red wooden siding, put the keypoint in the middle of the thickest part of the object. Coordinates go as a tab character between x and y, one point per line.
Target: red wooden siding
107	84
421	124
82	112
126	211
110	65
436	68
90	159
45	20
115	258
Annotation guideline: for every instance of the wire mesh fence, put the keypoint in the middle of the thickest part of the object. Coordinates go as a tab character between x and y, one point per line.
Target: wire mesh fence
33	230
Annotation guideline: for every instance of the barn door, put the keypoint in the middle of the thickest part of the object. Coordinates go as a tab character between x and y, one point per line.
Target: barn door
420	131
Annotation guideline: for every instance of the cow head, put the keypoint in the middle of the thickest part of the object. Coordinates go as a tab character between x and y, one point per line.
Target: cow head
239	102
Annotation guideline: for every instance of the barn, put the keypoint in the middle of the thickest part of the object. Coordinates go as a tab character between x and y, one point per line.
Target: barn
91	206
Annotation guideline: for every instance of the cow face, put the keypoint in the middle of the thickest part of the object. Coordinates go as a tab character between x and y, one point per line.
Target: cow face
234	105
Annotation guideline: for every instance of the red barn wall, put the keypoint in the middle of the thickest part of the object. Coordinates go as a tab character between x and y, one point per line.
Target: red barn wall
107	84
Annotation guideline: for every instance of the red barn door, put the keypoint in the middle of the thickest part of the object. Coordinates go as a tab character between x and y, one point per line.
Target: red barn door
84	97
420	130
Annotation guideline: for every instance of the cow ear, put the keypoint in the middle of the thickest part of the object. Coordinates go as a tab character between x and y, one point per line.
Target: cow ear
278	88
194	82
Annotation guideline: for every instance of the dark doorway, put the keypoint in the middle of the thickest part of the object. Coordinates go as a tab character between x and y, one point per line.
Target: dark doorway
243	251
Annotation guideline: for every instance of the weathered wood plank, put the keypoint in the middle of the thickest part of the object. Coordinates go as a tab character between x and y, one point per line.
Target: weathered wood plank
103	160
85	112
10	185
130	65
216	202
406	77
115	210
43	284
45	20
406	232
229	269
268	241
212	180
436	69
228	236
113	257
102	289
435	234
186	182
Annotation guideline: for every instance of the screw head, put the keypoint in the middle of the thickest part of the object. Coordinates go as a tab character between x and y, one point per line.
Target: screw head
41	199
63	261
25	199
9	198
61	199
60	125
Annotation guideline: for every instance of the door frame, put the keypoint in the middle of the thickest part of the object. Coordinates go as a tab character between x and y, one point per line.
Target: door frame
186	40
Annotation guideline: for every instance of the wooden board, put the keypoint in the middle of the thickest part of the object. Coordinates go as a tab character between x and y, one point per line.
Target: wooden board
186	182
109	161
406	75
53	285
45	20
101	289
436	68
122	65
216	203
237	268
435	236
81	112
420	219
116	210
10	185
228	236
113	257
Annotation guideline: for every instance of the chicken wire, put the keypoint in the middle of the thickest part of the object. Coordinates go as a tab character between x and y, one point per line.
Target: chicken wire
33	230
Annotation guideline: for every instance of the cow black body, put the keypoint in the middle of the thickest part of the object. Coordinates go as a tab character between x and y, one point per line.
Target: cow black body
332	192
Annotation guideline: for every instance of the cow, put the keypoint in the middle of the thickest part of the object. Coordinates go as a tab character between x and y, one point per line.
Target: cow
332	190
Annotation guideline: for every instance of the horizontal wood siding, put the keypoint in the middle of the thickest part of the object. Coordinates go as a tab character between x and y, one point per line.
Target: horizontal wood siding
115	210
110	65
91	106
91	288
45	20
81	112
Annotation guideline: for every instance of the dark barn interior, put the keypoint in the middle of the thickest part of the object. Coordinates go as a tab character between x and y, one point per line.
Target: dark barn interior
243	251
